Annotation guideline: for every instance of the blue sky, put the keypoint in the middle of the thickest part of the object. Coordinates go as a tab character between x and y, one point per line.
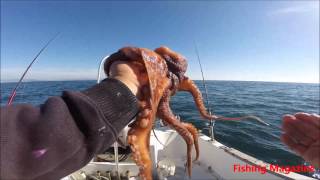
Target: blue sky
237	40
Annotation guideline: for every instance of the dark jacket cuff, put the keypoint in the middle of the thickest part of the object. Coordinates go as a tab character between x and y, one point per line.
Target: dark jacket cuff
115	100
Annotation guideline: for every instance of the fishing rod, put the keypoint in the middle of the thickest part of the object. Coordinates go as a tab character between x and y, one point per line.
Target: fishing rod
212	121
203	81
14	91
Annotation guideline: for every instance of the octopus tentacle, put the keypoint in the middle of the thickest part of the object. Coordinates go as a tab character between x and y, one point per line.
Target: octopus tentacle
195	134
161	73
138	139
188	85
165	113
139	135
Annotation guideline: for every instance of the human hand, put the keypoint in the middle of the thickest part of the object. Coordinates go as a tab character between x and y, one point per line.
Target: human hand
302	135
128	73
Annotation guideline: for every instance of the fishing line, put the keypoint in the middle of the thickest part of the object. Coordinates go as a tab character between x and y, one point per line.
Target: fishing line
14	91
155	135
230	118
208	103
212	122
203	81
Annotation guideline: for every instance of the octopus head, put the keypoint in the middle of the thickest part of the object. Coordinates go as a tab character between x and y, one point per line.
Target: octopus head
177	64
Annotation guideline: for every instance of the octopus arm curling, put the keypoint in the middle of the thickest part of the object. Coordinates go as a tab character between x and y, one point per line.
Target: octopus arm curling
194	132
151	71
165	113
188	85
161	74
138	139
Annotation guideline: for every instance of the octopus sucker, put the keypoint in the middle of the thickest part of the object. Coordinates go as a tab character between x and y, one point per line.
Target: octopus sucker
144	123
145	113
140	150
142	104
161	73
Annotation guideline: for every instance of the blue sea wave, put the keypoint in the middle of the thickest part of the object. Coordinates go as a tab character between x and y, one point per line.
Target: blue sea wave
267	100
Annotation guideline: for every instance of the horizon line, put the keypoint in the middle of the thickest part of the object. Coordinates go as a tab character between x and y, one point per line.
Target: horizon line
56	80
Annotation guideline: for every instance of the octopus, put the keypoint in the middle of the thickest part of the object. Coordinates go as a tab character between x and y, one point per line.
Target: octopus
164	71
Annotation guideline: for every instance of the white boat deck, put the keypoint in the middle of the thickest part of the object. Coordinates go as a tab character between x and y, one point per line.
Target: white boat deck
216	161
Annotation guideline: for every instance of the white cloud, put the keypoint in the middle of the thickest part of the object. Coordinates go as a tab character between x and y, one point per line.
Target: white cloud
295	9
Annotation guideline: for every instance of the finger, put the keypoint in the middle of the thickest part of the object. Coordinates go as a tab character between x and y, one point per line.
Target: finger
304	129
286	120
297	148
297	135
312	154
314	118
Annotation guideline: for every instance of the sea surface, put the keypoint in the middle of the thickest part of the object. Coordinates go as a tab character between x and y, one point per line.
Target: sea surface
267	100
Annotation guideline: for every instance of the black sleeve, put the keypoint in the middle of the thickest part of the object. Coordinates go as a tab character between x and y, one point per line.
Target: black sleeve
63	134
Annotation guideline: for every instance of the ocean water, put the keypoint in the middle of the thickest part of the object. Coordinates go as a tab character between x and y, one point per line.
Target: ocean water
267	100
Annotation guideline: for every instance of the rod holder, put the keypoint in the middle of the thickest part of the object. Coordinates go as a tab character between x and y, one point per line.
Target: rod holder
211	128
